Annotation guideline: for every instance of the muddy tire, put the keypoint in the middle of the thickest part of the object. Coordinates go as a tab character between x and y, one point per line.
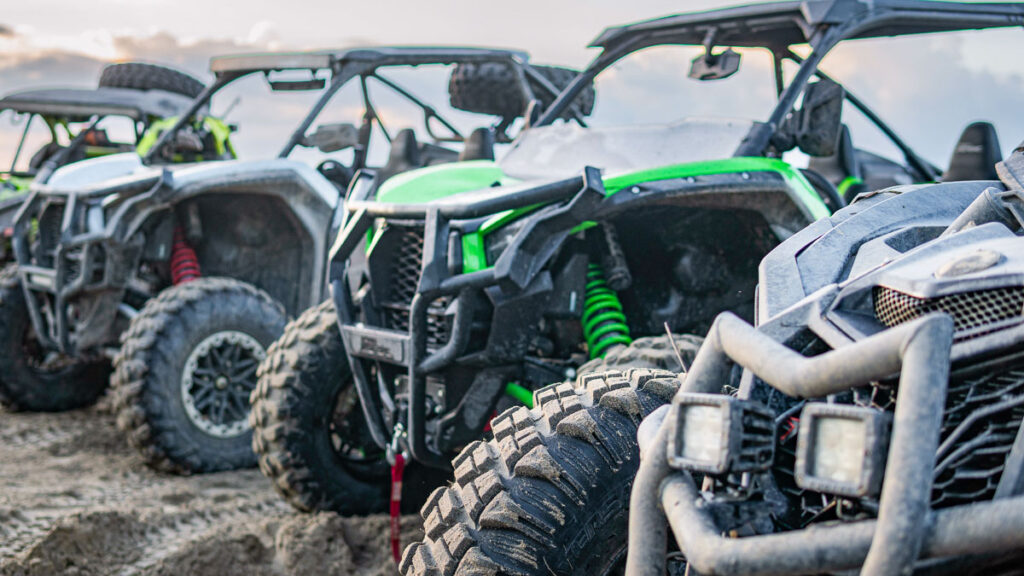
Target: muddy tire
142	76
28	381
654	352
550	493
493	88
301	384
185	371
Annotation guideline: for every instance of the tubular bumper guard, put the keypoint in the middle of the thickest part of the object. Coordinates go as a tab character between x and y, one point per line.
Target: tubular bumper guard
520	263
906	530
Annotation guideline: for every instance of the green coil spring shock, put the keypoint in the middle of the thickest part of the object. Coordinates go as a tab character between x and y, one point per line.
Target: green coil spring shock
604	324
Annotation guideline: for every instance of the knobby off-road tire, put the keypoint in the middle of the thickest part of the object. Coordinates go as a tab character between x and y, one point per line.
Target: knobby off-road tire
653	352
301	382
25	384
142	76
550	493
493	88
186	368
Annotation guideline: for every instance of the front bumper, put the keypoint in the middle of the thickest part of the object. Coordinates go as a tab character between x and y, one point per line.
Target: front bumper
73	281
408	349
907	529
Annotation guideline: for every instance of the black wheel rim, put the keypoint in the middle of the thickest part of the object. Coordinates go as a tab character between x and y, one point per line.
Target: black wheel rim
219	375
350	436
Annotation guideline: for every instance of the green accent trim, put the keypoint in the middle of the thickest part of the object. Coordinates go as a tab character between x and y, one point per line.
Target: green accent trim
11	186
524	396
437	182
847	183
221	137
152	134
802	189
586	225
474	253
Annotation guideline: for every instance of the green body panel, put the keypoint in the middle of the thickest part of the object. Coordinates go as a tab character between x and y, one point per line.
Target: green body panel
474	253
801	187
436	182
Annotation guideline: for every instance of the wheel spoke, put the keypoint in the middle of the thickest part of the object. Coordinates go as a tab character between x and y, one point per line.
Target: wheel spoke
239	407
204	401
243	375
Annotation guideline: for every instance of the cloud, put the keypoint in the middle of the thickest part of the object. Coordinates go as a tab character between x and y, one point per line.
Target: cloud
6	30
928	91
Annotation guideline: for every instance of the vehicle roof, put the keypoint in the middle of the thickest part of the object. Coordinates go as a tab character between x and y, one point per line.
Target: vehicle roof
381	55
781	24
79	104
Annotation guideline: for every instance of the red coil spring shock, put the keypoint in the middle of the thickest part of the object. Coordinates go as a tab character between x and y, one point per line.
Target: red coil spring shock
184	262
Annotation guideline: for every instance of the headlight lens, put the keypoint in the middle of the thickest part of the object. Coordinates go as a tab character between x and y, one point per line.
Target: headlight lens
841	449
717	434
701	433
498	240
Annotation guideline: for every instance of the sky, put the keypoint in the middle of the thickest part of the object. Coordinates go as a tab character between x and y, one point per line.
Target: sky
927	87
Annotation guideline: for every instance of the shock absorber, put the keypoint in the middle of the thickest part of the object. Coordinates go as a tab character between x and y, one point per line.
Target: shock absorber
184	262
604	324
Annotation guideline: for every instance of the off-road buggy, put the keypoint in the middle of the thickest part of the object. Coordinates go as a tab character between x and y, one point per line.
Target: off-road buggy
74	124
196	266
549	494
459	290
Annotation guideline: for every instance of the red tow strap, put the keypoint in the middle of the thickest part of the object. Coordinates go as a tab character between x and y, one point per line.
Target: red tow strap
396	506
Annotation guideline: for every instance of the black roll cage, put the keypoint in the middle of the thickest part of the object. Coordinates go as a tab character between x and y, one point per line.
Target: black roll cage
364	63
776	26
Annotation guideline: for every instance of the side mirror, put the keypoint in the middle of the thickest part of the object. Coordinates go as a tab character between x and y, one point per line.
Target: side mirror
332	137
819	119
709	66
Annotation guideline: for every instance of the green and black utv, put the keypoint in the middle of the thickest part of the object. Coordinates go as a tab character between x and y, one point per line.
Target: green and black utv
461	290
182	270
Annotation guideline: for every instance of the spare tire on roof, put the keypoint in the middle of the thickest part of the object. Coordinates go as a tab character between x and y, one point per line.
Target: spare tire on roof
493	88
142	76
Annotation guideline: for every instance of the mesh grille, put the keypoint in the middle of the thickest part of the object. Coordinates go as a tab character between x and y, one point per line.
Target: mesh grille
404	280
972	312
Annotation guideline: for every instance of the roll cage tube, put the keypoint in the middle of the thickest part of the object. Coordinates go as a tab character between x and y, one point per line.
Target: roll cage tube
53	162
821	24
342	71
925	170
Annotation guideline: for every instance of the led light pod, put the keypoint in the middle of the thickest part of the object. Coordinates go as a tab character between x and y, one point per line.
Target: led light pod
717	434
841	450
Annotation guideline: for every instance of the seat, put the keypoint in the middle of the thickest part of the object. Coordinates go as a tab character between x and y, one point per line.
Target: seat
404	155
976	154
479	145
843	168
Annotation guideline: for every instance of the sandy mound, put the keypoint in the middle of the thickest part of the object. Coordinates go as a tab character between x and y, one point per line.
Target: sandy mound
75	500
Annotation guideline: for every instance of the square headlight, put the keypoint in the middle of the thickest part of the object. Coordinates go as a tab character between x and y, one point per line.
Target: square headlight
842	449
717	434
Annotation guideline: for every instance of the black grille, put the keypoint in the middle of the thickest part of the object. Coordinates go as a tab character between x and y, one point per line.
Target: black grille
404	279
983	415
48	226
974	313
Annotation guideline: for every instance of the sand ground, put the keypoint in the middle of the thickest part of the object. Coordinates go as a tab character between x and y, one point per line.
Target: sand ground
76	500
